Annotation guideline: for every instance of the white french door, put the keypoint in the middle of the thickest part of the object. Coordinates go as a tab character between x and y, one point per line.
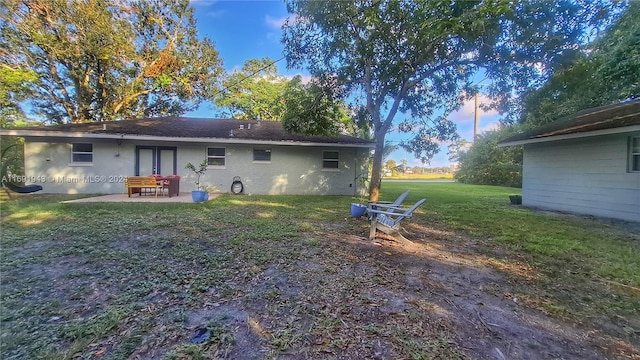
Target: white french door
156	160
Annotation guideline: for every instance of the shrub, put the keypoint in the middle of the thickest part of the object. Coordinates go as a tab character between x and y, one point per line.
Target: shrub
485	163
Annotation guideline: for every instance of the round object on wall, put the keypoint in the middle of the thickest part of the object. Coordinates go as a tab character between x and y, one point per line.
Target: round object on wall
236	186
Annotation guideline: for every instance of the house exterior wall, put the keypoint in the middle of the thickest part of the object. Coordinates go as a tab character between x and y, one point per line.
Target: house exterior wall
292	169
50	165
585	176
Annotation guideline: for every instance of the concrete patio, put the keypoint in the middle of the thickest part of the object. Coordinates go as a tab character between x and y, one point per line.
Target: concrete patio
184	197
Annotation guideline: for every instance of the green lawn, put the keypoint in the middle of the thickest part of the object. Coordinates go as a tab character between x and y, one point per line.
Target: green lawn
574	251
270	273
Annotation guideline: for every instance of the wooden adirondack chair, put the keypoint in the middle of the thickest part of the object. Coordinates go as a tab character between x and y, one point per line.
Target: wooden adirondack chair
388	221
389	206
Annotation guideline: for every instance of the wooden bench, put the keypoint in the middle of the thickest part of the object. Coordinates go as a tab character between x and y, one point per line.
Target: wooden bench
142	183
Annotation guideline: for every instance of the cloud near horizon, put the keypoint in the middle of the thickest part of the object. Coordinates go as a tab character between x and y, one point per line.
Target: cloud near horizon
275	23
306	78
466	112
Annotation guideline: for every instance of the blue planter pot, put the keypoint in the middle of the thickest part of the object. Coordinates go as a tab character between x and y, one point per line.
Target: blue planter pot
199	195
358	210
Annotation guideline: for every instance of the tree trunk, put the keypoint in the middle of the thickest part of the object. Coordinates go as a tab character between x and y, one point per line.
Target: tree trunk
376	172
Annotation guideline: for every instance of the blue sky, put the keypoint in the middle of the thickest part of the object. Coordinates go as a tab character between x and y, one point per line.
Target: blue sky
243	30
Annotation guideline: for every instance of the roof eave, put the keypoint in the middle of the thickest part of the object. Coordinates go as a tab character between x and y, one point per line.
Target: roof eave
619	130
83	135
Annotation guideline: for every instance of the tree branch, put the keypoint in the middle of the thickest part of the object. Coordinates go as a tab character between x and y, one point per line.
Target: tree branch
128	99
394	108
66	100
446	64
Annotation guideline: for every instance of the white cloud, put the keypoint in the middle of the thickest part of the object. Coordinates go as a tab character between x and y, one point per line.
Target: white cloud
466	132
466	113
216	14
275	23
203	2
206	6
494	125
305	78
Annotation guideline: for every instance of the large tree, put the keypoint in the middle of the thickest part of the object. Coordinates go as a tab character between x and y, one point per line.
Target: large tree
316	109
420	57
258	91
607	71
254	92
100	60
15	85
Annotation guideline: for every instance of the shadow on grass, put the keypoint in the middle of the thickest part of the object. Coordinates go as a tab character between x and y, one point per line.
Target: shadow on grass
287	276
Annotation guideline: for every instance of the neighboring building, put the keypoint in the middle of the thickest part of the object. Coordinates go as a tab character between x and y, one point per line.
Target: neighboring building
96	157
587	163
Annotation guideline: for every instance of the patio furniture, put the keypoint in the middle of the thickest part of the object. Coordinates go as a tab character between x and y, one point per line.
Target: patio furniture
388	221
22	189
377	205
172	184
142	184
159	178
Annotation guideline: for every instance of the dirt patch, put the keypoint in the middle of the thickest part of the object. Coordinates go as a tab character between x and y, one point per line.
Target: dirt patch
329	294
490	322
246	334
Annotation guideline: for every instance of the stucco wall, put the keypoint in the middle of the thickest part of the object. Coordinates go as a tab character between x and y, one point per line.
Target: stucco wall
50	165
292	169
585	176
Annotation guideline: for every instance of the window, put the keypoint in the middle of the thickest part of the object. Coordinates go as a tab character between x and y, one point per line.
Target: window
81	153
634	153
330	159
262	154
215	156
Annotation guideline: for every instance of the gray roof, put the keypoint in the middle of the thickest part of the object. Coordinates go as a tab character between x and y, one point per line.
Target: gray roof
619	117
187	129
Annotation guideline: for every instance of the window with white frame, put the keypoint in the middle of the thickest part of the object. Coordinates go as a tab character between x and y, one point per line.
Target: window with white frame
330	159
216	156
634	154
81	153
262	154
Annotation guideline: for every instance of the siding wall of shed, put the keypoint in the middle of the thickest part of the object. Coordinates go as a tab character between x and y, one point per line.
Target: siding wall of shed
584	176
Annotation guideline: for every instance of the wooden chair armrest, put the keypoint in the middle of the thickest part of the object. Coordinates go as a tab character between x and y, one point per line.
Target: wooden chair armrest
390	205
376	211
387	207
379	204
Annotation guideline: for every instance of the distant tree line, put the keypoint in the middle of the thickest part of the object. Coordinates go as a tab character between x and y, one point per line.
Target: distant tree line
392	167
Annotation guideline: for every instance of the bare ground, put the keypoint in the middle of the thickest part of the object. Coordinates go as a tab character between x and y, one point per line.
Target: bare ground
467	296
334	295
